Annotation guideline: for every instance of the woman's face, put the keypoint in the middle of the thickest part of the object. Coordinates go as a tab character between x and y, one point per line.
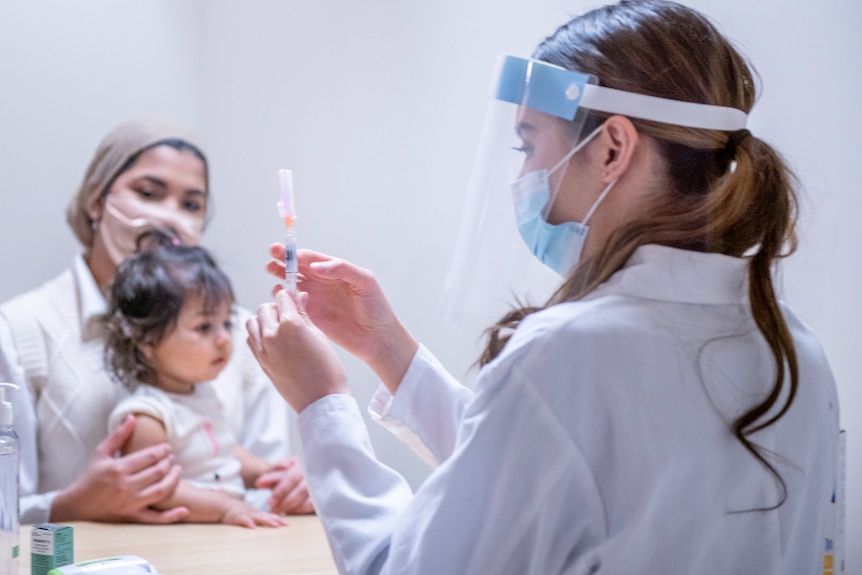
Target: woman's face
164	180
164	189
545	141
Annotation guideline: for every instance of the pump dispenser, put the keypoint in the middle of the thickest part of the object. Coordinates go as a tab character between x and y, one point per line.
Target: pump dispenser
9	461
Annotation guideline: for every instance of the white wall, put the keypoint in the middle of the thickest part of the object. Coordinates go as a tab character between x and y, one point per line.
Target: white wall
376	107
69	72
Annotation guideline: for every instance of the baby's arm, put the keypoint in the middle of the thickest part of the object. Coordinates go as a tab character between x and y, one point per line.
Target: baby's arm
204	505
252	465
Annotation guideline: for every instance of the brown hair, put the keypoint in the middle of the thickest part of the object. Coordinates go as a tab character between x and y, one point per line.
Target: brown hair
147	295
727	193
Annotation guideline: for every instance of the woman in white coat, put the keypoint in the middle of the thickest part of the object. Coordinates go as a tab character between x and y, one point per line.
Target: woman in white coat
145	174
661	412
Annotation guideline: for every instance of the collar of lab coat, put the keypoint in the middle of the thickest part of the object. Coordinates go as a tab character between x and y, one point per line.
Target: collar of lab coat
91	300
671	274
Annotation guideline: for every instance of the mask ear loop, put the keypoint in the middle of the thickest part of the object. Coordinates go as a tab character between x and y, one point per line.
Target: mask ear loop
576	149
568	156
597	202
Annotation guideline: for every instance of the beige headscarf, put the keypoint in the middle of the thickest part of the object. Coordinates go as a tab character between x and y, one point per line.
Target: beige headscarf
121	144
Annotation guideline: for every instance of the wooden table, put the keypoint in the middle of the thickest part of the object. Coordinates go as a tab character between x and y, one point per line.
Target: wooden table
204	549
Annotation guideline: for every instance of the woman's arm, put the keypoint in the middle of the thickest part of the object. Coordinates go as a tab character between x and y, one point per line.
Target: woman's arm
111	488
203	505
514	474
426	411
346	303
122	488
516	496
264	425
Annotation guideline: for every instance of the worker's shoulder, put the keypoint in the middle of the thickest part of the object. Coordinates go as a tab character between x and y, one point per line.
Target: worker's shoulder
602	316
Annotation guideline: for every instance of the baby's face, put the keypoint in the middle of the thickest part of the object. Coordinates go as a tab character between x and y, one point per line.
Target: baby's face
197	348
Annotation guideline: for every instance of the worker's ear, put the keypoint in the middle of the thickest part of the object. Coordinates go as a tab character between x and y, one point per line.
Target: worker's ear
618	139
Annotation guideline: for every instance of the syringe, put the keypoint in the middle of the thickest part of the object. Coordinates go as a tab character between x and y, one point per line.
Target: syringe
288	214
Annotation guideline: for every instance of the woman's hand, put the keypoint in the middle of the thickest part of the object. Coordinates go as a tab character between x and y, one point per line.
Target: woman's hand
120	489
293	353
346	303
289	491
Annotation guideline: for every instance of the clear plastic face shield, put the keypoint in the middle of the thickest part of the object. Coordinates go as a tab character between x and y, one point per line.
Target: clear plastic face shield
517	238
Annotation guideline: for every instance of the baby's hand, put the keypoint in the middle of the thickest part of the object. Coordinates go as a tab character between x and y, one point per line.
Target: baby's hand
242	514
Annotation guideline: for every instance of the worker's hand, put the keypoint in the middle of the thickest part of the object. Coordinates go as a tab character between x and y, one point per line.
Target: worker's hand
293	353
346	303
241	513
120	489
289	491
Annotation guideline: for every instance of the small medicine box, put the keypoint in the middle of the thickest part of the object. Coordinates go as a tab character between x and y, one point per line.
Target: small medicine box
51	545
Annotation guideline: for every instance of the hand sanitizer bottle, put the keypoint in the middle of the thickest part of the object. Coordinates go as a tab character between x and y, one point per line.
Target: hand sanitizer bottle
8	485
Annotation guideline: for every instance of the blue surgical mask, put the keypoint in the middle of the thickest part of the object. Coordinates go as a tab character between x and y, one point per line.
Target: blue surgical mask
557	246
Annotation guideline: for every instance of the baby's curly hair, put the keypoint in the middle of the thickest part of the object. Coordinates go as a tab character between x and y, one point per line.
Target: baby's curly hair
147	294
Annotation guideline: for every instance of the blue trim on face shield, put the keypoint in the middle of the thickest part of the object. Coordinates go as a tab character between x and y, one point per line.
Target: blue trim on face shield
559	92
539	86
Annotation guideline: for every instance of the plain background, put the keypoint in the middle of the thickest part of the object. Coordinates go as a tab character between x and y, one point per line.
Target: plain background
377	106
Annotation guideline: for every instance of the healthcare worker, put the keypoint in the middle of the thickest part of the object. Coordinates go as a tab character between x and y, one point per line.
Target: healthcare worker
661	411
146	174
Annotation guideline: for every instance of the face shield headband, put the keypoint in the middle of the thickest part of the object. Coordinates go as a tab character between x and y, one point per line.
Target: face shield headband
492	268
560	92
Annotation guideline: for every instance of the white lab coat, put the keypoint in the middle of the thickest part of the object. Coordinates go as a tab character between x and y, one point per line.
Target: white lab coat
597	442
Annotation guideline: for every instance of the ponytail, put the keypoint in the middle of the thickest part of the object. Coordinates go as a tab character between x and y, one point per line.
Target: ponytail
761	175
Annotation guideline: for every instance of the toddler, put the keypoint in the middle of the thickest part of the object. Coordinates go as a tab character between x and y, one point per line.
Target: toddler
168	335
